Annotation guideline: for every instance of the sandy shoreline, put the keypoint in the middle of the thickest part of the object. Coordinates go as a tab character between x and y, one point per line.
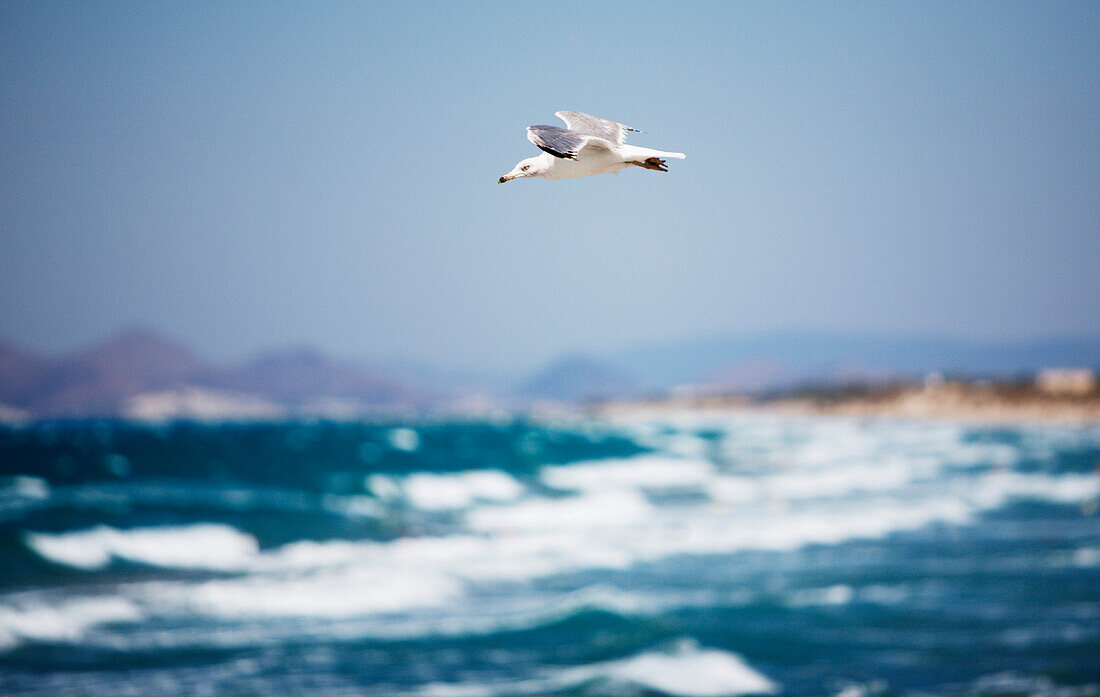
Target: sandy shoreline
942	402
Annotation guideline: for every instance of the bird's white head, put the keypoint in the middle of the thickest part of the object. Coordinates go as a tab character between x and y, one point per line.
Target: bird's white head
531	167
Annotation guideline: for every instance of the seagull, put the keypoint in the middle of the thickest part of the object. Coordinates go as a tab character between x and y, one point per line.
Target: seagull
588	145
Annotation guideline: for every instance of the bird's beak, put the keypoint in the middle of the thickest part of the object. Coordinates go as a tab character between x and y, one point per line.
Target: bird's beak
504	179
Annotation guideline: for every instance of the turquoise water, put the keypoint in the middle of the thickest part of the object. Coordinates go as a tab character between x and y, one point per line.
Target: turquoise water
675	554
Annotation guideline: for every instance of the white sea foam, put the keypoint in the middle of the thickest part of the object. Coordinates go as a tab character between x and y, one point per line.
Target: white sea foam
839	594
788	527
997	488
435	492
1086	557
261	613
540	536
688	669
404	439
641	472
383	486
440	689
340	579
775	441
807	487
22	492
24	619
24	487
530	538
840	479
734	489
611	509
202	546
327	593
804	484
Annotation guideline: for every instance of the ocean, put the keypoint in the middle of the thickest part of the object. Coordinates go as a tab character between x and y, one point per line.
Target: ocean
644	554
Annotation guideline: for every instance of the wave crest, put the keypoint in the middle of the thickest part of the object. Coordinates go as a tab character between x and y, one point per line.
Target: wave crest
202	546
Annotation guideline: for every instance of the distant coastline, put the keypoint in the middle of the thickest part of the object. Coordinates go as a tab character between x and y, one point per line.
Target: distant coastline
139	373
1050	397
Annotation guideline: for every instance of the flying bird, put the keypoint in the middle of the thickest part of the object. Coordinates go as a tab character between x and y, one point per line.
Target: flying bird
587	146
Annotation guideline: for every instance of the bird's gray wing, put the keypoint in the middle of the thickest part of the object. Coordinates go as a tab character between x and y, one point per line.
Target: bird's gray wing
557	141
591	125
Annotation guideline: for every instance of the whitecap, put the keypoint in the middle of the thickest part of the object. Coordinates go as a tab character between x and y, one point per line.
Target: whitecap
839	480
22	492
24	487
1086	557
998	488
599	510
688	669
327	593
404	439
640	472
685	669
201	546
35	620
840	594
441	492
382	486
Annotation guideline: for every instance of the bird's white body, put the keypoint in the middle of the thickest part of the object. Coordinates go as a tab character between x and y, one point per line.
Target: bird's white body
591	146
594	160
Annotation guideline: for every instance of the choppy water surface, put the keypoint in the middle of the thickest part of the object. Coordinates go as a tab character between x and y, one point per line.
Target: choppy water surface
691	555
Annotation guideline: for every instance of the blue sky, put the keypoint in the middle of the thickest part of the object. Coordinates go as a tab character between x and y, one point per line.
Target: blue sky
253	174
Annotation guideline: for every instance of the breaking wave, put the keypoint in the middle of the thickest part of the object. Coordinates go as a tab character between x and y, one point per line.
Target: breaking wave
594	566
203	546
686	669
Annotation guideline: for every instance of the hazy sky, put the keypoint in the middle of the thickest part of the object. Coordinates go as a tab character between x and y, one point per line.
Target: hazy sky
253	174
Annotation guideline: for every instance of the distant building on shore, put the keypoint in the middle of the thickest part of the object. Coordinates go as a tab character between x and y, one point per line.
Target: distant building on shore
1066	381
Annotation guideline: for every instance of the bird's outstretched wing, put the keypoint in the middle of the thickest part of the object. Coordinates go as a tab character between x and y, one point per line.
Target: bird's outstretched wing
593	126
562	143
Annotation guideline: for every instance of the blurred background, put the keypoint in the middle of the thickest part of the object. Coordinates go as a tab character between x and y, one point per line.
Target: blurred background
296	398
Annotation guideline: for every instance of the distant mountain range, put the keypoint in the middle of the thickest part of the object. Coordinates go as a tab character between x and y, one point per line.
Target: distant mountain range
132	371
139	372
578	377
